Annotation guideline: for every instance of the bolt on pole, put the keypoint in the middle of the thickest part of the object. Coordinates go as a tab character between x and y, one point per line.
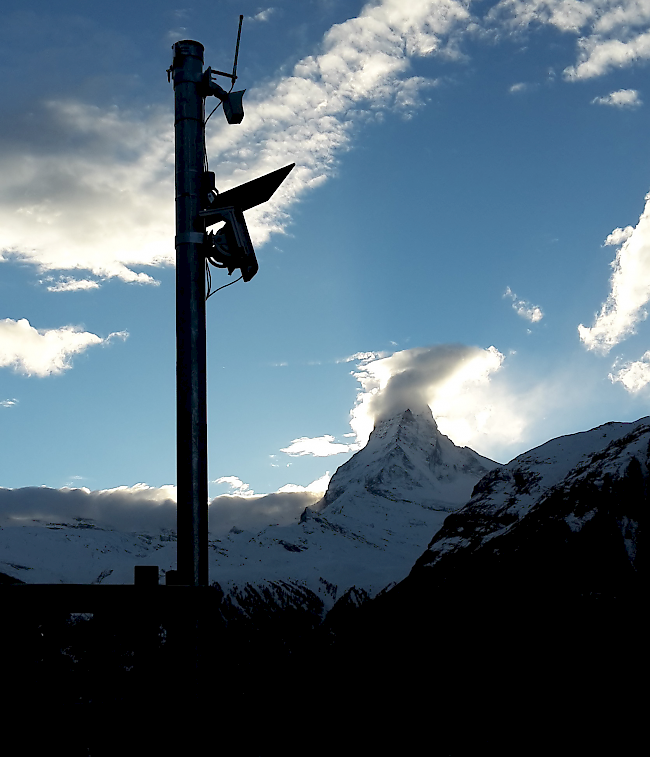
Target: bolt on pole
191	403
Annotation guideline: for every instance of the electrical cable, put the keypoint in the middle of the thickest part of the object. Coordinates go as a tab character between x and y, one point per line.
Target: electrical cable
208	261
205	168
230	283
205	149
211	112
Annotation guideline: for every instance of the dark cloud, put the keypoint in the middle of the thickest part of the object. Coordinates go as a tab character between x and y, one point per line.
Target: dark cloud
124	508
144	508
253	514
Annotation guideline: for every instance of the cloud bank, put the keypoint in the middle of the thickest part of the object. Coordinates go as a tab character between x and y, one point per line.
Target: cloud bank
43	352
474	400
123	508
281	508
143	508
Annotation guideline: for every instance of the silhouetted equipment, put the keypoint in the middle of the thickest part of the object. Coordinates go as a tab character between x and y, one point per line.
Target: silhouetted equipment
248	195
233	105
231	247
199	205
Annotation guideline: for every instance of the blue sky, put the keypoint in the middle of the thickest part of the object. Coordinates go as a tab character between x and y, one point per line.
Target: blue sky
466	226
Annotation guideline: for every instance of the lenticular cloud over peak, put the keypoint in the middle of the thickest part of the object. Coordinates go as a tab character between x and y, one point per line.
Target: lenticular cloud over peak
417	379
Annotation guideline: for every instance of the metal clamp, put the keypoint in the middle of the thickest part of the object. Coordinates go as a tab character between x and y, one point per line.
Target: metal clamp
190	237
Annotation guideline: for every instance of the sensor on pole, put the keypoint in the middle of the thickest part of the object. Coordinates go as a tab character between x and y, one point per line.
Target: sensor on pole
199	205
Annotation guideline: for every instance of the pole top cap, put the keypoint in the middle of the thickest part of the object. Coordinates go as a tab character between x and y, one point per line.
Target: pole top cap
188	47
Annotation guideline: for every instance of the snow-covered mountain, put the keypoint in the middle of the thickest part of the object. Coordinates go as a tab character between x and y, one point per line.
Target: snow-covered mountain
560	518
560	522
380	511
407	459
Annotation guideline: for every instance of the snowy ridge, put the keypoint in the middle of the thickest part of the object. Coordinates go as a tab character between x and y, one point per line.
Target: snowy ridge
567	478
46	552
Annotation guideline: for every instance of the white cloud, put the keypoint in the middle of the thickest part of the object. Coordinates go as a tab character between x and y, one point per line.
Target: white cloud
237	487
598	56
8	403
264	15
88	188
42	352
84	188
519	87
69	284
566	15
318	446
363	356
634	375
618	236
532	313
312	115
613	33
630	287
622	98
319	486
480	398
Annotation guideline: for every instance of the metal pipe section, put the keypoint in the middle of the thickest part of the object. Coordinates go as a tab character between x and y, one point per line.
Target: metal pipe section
191	404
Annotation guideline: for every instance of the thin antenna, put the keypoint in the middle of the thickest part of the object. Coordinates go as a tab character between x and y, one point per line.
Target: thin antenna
234	65
233	75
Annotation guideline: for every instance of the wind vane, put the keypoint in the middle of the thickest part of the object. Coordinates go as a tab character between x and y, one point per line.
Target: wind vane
198	206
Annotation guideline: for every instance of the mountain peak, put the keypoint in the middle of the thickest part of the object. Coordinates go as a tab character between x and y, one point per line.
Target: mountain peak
408	459
409	415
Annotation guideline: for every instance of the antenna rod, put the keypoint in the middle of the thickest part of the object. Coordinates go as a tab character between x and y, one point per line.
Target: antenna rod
234	65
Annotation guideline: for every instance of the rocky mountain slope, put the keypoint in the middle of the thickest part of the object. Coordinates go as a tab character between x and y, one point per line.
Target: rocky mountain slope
560	523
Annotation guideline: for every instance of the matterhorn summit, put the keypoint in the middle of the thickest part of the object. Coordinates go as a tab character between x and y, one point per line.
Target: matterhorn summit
407	459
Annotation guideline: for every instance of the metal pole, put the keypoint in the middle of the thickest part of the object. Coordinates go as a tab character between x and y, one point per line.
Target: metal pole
191	418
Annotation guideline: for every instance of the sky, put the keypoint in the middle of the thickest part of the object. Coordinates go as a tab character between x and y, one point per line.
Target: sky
467	227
